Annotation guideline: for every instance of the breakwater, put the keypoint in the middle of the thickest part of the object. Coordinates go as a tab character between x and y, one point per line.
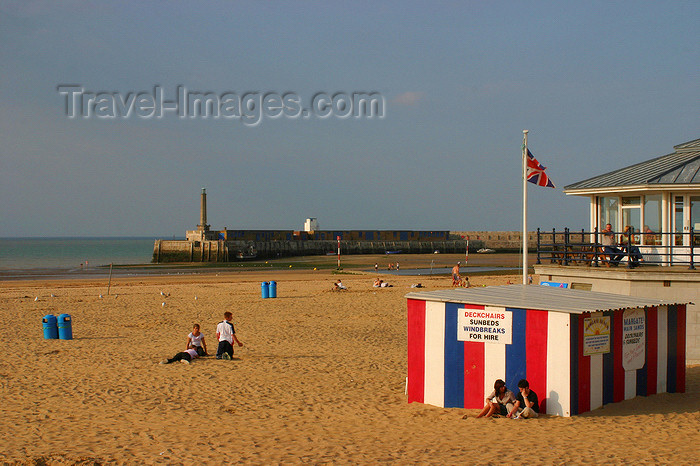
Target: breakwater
231	251
223	250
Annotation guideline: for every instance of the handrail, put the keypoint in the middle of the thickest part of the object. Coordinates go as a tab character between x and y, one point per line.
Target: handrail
567	248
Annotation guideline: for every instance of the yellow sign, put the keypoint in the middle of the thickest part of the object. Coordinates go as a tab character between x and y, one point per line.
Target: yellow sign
596	335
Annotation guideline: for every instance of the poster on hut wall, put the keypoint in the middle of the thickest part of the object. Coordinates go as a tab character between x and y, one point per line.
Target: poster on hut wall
596	335
489	325
633	339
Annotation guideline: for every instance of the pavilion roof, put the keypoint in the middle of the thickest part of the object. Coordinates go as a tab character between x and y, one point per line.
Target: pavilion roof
681	167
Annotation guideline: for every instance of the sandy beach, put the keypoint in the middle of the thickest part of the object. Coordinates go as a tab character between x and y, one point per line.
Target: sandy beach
320	380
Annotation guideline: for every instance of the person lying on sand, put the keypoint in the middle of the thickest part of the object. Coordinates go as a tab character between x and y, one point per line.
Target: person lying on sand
184	357
378	283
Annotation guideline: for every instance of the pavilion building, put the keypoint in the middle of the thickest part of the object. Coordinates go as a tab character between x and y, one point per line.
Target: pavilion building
660	200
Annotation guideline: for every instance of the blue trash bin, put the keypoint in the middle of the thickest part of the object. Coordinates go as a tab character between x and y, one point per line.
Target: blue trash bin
273	289
65	327
50	328
265	289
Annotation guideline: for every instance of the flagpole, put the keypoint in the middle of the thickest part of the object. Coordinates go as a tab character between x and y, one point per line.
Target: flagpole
524	237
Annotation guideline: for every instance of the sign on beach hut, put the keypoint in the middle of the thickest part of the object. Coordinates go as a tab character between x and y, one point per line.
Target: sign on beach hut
578	349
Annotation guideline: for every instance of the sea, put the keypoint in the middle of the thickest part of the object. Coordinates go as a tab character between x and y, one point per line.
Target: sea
45	257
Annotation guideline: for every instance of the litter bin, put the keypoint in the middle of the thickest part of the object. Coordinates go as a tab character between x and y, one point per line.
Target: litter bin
273	289
65	327
265	289
50	328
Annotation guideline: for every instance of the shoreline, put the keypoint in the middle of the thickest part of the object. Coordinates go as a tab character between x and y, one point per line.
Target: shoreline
361	263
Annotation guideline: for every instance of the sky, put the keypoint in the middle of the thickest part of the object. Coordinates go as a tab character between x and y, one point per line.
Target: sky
599	85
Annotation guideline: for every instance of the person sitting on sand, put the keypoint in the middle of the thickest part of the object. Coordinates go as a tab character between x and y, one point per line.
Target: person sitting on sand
500	401
195	340
526	404
184	357
377	283
339	286
226	335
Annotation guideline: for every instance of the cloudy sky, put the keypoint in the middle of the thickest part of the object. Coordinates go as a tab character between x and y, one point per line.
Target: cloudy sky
599	85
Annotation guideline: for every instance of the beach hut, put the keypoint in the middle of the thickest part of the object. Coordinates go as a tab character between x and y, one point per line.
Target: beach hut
579	350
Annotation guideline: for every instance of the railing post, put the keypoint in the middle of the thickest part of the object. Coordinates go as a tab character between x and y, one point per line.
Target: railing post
554	245
692	240
595	246
566	246
538	246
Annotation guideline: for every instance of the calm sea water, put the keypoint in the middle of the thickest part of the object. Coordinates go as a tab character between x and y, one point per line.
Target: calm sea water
69	253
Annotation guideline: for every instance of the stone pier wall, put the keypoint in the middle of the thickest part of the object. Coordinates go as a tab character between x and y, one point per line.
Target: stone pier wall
227	251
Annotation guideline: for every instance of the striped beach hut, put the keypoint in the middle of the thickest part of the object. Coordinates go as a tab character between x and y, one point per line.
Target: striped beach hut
578	349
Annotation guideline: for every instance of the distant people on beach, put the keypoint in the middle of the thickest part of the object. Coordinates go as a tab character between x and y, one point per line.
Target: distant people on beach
526	403
379	283
184	357
226	334
397	266
390	266
195	340
376	267
338	286
500	401
456	280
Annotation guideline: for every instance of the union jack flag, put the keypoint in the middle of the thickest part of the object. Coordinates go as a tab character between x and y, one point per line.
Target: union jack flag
535	172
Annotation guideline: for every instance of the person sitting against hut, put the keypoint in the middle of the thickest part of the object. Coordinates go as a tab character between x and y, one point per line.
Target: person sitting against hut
338	286
614	254
626	242
499	402
526	404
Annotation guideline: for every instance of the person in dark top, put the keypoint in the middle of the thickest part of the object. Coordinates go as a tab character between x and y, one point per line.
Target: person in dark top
526	404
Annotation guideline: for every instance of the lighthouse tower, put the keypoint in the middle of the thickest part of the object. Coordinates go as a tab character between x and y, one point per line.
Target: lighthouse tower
202	233
202	227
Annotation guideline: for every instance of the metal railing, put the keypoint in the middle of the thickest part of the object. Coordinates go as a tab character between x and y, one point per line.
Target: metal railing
585	248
